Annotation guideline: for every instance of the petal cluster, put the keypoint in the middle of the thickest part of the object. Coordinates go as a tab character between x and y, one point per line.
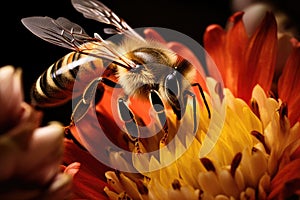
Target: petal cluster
30	155
243	60
247	160
248	149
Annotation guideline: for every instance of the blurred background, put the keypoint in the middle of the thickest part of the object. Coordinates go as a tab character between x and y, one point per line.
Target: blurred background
21	48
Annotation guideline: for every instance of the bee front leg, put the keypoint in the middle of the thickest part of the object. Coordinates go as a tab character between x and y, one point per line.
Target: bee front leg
187	92
131	126
159	108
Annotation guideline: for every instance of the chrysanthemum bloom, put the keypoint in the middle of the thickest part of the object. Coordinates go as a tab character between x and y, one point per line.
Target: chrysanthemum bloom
30	155
248	149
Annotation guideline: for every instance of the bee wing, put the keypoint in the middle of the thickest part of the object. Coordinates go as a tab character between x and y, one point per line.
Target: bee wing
60	31
67	34
96	10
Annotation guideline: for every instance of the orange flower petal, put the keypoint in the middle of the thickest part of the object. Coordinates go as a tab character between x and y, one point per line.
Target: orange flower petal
296	154
236	43
227	50
214	43
88	182
289	85
286	182
260	58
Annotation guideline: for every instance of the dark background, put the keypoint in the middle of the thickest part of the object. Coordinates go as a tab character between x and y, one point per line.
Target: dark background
21	48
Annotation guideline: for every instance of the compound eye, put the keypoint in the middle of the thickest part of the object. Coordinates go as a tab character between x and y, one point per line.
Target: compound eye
172	84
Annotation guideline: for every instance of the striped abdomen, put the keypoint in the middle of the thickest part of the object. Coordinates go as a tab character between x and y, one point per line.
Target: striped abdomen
55	85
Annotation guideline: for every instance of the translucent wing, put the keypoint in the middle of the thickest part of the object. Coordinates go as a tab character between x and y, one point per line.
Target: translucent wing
67	34
60	31
96	10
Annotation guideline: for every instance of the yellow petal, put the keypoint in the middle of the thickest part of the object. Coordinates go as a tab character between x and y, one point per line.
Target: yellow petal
209	183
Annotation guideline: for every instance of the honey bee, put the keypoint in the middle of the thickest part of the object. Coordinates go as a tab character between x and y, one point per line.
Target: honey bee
143	69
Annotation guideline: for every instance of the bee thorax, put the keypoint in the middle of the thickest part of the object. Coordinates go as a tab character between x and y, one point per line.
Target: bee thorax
137	83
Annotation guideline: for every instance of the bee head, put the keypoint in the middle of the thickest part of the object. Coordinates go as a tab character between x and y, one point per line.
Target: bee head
138	68
152	65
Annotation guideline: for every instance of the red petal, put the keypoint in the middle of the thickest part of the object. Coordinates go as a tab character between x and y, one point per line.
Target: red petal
260	58
286	182
289	85
227	50
236	43
89	181
214	43
296	154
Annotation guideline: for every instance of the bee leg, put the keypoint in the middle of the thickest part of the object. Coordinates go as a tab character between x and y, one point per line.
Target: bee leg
89	93
173	91
159	108
203	97
187	92
127	117
83	105
110	83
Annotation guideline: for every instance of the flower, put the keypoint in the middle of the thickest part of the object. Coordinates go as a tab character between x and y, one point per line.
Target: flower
247	161
227	55
241	164
248	149
30	155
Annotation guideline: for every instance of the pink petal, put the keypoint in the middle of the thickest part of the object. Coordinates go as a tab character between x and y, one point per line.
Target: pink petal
11	96
15	144
40	162
72	169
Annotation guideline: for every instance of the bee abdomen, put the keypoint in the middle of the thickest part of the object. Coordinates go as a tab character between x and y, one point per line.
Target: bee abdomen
55	86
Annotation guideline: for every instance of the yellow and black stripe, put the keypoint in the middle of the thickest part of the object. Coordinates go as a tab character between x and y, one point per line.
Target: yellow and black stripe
55	85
